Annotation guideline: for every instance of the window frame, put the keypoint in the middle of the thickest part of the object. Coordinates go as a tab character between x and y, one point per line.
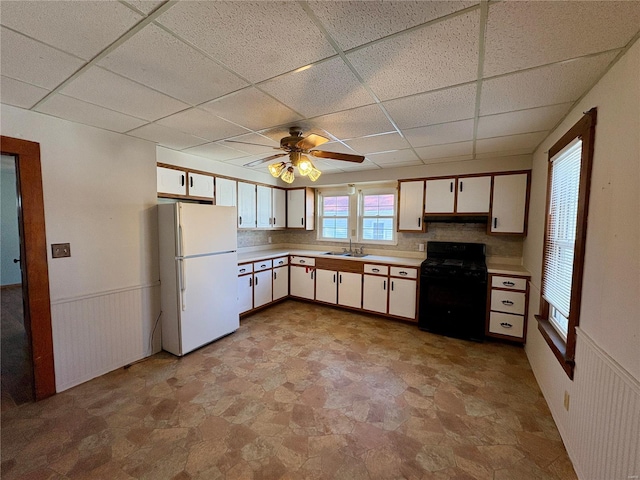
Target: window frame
564	349
377	190
333	192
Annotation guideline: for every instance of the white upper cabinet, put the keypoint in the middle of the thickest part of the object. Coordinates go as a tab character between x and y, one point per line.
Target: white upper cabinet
300	208
474	194
246	205
440	195
226	192
279	207
200	185
509	203
171	181
411	206
263	208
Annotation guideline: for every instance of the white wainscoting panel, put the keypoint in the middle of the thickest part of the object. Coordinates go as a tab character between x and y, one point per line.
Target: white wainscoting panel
605	414
95	334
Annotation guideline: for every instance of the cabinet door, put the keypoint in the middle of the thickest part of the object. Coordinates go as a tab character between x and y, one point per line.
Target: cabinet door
262	288
279	208
200	185
263	207
410	209
474	194
245	293
280	282
171	181
402	298
246	205
300	208
326	286
226	192
440	195
302	282
350	289
509	203
374	294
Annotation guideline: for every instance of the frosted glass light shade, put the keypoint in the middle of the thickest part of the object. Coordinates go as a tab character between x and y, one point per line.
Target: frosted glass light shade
288	176
305	166
276	169
314	174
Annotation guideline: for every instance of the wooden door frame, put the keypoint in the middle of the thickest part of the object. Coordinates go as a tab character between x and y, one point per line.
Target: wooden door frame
33	255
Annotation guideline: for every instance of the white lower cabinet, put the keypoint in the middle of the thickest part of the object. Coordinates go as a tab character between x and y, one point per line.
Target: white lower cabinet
402	297
245	293
374	293
326	286
280	282
262	288
508	302
302	282
350	289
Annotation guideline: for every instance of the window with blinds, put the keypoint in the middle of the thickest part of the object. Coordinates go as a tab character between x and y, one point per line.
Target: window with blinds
559	245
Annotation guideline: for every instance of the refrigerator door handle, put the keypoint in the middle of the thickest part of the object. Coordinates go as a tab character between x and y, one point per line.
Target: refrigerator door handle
183	283
180	232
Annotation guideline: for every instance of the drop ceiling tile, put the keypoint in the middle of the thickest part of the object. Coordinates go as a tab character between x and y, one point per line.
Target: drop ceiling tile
51	69
252	109
80	28
394	158
524	141
439	134
242	161
100	87
358	122
215	151
442	106
78	111
202	124
444	151
437	56
259	144
461	158
19	94
258	40
549	85
155	58
355	23
145	6
321	88
350	166
167	137
522	121
514	41
378	143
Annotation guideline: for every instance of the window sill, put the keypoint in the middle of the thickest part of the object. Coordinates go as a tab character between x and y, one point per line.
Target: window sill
557	344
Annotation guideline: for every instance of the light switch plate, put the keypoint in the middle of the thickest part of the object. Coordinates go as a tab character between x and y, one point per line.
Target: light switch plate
60	250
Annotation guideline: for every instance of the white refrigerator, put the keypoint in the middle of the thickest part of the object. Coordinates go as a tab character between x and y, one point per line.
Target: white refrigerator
198	269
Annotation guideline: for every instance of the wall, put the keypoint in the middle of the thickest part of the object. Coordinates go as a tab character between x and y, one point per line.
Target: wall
605	390
10	240
99	195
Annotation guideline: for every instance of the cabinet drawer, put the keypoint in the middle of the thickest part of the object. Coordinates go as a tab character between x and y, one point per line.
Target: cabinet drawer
404	272
307	261
511	283
279	262
508	302
505	324
262	265
376	269
244	269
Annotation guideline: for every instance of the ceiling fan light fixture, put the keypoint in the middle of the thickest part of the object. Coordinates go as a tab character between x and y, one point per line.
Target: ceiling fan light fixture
287	175
314	174
276	169
305	166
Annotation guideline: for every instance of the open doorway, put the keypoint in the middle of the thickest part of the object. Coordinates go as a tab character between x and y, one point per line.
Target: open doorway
34	271
16	367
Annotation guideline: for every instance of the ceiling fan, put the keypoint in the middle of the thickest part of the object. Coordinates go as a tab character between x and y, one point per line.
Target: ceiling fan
298	147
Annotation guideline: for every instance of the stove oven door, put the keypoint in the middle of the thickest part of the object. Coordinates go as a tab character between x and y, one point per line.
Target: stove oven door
454	307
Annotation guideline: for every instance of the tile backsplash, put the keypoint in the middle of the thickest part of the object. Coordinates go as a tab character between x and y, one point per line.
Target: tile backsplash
497	245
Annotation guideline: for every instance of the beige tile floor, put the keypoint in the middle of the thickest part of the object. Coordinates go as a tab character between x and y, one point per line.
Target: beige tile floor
300	391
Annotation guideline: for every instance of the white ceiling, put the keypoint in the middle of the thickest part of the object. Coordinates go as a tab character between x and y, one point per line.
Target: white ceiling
402	82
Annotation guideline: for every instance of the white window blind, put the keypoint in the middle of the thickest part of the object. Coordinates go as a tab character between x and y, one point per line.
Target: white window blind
561	230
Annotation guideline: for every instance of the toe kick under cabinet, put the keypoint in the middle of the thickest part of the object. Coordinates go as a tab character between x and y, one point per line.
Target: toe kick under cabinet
507	303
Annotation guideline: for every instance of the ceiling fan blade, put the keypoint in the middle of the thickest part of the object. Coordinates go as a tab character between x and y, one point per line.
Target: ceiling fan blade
264	160
311	141
345	157
256	144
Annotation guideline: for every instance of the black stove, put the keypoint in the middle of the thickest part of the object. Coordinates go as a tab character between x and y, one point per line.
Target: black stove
453	289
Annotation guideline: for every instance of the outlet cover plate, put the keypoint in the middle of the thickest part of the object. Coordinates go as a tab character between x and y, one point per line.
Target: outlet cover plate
60	250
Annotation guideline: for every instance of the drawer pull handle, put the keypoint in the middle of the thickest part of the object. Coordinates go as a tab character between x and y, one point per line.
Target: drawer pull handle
403	273
506	325
384	285
375	270
509	284
242	270
507	302
281	262
302	261
262	266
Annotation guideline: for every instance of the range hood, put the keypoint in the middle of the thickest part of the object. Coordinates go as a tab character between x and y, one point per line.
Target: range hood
484	219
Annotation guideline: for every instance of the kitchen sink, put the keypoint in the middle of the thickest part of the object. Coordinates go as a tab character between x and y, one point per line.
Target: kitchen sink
346	254
336	253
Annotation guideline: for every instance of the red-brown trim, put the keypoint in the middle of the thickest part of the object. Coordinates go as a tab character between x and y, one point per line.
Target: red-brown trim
565	351
35	269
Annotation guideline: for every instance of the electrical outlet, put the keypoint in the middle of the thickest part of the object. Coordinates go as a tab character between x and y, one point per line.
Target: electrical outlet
269	240
566	400
60	250
421	247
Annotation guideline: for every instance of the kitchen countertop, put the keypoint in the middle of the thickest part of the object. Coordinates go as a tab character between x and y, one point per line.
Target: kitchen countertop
245	257
506	269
